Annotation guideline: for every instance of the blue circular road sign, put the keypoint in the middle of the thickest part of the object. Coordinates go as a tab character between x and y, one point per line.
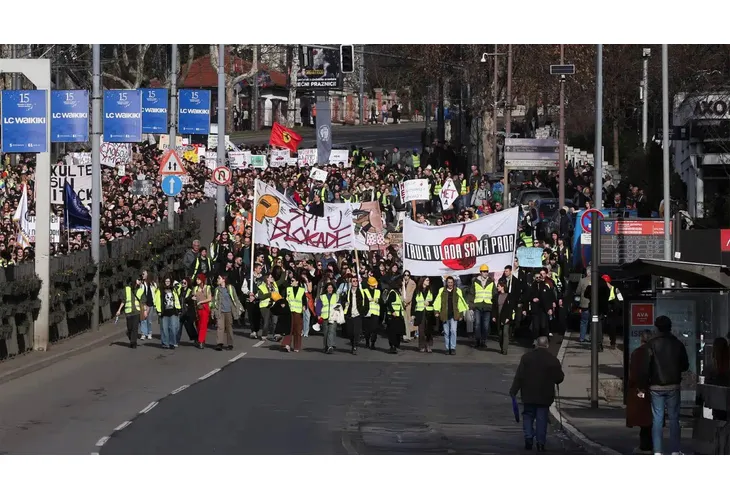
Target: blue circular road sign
171	185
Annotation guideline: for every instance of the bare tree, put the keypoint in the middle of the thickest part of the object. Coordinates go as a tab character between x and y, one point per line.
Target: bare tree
232	79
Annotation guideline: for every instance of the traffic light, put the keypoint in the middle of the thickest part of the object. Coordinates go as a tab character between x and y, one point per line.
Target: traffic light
347	58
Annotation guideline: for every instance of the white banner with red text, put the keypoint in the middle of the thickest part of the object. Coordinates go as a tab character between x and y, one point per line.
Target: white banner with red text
281	224
459	249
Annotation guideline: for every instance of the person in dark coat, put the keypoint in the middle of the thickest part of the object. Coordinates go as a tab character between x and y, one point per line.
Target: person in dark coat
638	410
503	311
537	375
543	301
395	325
280	309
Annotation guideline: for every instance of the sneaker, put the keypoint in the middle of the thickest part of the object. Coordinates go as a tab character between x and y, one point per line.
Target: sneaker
149	337
219	347
253	335
330	350
288	348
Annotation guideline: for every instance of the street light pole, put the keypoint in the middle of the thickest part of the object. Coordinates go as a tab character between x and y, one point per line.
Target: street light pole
221	191
665	156
508	105
561	154
173	128
96	176
362	86
496	98
645	96
596	335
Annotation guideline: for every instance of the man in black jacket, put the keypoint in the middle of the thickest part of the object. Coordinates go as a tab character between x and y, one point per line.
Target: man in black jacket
542	304
355	305
666	360
537	375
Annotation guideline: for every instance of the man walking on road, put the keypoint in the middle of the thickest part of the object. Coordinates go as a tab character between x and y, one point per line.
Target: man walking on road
450	306
661	378
537	375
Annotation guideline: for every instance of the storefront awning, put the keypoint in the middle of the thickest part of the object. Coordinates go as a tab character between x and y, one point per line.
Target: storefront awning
696	275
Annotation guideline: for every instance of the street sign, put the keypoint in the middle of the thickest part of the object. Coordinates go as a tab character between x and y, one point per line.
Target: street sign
675	134
531	163
172	185
222	175
585	219
562	69
171	164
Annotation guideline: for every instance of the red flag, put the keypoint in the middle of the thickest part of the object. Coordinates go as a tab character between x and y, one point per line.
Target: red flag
282	137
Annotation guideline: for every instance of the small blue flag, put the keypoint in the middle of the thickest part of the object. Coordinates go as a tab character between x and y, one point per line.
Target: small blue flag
77	216
515	409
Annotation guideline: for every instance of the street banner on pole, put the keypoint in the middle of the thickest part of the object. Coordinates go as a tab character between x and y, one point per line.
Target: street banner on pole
324	131
70	116
154	111
194	112
282	224
459	249
123	115
24	121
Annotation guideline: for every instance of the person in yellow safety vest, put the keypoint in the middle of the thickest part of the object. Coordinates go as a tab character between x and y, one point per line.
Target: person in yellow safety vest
326	303
503	315
423	317
295	296
450	307
167	304
263	293
613	318
396	326
372	318
356	306
226	309
526	236
482	291
416	160
203	263
132	305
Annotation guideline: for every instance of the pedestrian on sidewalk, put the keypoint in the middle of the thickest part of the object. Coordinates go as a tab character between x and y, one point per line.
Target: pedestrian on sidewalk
202	298
661	379
187	318
226	308
168	307
537	375
638	410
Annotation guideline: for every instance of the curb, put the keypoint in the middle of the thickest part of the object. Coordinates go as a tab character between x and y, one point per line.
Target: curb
105	439
572	432
61	356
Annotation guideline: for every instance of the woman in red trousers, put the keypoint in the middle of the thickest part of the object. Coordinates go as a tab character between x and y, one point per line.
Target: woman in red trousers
202	297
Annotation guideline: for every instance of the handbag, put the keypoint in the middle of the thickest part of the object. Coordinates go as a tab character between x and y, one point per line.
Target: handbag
143	313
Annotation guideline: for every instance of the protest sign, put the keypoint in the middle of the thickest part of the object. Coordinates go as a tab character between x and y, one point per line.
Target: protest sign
318	174
448	194
55	228
210	189
415	190
115	152
283	225
279	158
79	176
459	249
143	188
530	257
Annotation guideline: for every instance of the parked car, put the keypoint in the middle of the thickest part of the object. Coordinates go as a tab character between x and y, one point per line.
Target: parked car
524	197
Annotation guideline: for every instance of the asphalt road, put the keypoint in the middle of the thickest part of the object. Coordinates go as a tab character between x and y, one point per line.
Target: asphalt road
271	402
405	136
259	400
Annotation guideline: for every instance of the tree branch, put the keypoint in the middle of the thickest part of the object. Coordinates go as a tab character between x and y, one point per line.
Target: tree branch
117	79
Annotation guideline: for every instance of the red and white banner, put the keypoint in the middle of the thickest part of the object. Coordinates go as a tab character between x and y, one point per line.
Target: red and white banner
458	249
281	224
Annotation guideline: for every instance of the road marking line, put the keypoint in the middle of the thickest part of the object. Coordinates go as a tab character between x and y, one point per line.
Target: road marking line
102	441
210	374
147	408
259	343
180	389
236	358
122	425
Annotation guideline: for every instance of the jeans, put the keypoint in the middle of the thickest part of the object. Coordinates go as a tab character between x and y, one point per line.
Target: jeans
329	330
450	329
585	321
306	319
671	400
534	422
482	322
145	326
170	328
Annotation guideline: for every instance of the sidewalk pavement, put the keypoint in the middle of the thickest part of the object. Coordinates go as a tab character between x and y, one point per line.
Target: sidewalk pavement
32	361
600	430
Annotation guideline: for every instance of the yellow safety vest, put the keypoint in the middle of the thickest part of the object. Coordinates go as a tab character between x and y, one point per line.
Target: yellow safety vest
462	305
197	266
527	239
158	300
217	294
327	305
129	304
483	295
421	301
295	301
464	187
612	293
374	299
265	303
416	161
437	189
397	305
